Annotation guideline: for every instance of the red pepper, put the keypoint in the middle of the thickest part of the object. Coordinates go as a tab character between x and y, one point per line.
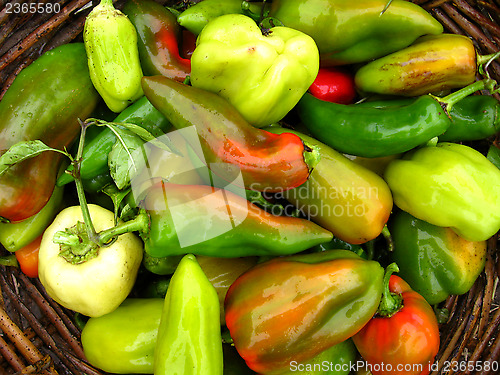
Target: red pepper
403	337
28	257
334	84
159	39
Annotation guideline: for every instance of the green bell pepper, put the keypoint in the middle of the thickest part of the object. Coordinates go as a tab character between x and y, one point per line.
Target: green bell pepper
293	308
449	185
349	31
123	341
262	76
189	337
435	261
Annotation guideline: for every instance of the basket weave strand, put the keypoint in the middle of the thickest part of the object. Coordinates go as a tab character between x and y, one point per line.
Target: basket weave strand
39	336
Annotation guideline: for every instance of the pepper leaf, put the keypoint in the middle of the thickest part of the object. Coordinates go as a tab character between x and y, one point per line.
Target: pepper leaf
122	160
23	151
117	196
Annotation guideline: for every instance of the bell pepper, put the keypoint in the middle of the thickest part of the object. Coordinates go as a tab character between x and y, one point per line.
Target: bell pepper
262	76
293	308
95	153
189	337
448	185
123	341
159	37
349	32
81	276
403	338
203	220
44	102
113	58
198	15
349	200
435	261
14	236
267	162
334	84
222	272
432	64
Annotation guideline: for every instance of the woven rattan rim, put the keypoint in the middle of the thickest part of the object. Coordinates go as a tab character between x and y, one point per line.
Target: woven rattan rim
39	337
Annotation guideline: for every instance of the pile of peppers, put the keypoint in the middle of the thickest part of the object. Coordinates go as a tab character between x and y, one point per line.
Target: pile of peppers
230	187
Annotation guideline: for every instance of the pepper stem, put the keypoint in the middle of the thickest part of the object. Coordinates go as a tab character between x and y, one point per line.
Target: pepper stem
138	224
312	156
448	101
484	59
390	303
388	238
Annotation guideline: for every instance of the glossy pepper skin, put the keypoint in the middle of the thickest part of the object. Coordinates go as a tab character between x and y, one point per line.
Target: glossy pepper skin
44	102
189	337
408	336
95	153
293	308
433	63
228	225
267	162
123	341
113	58
435	261
349	200
334	84
448	185
335	26
262	75
373	132
159	37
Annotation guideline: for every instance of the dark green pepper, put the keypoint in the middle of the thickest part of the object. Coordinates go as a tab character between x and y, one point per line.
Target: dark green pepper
43	103
373	132
435	261
349	31
95	154
124	340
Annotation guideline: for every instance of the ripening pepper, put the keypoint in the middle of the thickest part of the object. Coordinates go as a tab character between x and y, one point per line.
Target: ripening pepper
198	15
113	57
123	341
349	200
262	76
44	102
204	220
189	337
448	185
435	261
403	337
229	144
293	308
349	31
159	39
432	64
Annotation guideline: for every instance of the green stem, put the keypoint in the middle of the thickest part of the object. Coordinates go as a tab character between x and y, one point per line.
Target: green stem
388	238
448	101
390	303
139	224
312	156
9	260
484	59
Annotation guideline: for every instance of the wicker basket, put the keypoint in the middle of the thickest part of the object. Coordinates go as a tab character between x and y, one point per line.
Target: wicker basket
40	337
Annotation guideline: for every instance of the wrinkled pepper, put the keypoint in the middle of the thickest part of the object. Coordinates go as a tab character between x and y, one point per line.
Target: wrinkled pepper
14	236
435	261
95	153
262	75
198	15
403	337
432	64
123	341
293	308
113	57
44	102
370	131
349	32
448	185
202	220
349	200
159	37
90	280
266	161
189	337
